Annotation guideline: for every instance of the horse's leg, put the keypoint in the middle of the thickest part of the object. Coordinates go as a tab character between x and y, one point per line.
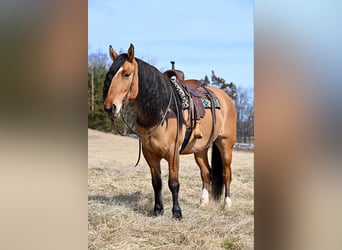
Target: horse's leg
226	149
154	164
173	161
202	161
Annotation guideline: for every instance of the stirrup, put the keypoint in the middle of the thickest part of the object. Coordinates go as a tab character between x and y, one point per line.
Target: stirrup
197	131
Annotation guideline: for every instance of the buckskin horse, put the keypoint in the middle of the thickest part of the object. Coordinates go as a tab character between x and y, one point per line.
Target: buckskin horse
163	127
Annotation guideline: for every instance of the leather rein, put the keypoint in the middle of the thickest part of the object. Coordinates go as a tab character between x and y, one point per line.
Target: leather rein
149	133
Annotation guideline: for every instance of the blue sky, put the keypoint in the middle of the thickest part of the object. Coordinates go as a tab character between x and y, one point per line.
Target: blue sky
199	35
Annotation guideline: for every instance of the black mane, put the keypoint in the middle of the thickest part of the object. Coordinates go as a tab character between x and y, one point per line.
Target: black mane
154	92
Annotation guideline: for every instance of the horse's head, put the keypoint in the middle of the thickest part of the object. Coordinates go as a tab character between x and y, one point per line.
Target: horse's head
121	83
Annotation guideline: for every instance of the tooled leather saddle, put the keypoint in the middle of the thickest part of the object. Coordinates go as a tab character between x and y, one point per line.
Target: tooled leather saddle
195	97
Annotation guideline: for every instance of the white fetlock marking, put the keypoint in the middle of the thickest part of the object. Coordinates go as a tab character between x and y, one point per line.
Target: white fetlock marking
205	196
227	203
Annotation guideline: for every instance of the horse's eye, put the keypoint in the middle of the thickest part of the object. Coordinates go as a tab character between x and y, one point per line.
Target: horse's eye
126	75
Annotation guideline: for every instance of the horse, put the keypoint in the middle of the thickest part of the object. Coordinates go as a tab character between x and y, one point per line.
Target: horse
161	126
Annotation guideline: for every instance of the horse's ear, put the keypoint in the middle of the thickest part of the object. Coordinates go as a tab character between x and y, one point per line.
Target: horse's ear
131	53
112	53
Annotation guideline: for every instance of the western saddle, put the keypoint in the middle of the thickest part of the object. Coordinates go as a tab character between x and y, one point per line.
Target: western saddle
192	92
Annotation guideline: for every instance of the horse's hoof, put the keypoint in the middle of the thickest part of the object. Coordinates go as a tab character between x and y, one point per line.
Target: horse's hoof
227	203
158	212
177	214
205	197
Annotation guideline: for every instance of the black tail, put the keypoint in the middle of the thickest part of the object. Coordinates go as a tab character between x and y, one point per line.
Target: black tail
216	173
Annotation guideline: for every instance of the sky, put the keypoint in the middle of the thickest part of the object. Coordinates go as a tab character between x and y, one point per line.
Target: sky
200	36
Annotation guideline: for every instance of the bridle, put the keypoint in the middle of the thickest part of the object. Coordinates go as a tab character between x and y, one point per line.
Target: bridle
125	99
149	133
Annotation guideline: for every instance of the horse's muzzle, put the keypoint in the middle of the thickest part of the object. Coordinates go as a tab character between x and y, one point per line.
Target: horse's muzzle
107	110
112	110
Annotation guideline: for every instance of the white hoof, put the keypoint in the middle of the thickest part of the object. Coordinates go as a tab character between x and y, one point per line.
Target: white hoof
227	203
205	197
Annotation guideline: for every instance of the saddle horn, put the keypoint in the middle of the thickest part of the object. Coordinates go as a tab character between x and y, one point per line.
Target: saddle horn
173	65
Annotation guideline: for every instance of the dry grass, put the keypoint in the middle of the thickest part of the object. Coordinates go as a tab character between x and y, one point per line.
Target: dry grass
121	201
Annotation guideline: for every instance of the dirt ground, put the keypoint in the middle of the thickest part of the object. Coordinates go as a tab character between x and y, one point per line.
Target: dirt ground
120	202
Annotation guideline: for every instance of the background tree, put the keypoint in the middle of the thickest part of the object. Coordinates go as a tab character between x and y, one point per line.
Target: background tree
229	88
243	99
97	69
244	104
98	65
205	81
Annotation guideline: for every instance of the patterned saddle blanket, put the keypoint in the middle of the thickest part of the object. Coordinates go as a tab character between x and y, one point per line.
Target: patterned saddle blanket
192	88
193	95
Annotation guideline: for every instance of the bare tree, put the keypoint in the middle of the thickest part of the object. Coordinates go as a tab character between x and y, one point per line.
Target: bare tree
244	104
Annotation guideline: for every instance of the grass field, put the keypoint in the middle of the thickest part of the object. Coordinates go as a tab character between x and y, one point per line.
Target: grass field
120	202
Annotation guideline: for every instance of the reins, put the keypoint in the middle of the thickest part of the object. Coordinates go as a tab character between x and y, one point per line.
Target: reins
177	134
149	133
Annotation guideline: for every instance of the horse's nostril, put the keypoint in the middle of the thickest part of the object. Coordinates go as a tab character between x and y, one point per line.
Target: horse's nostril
113	108
107	110
110	110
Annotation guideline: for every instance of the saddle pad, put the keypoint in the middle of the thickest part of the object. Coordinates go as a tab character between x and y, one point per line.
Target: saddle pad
186	102
207	103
